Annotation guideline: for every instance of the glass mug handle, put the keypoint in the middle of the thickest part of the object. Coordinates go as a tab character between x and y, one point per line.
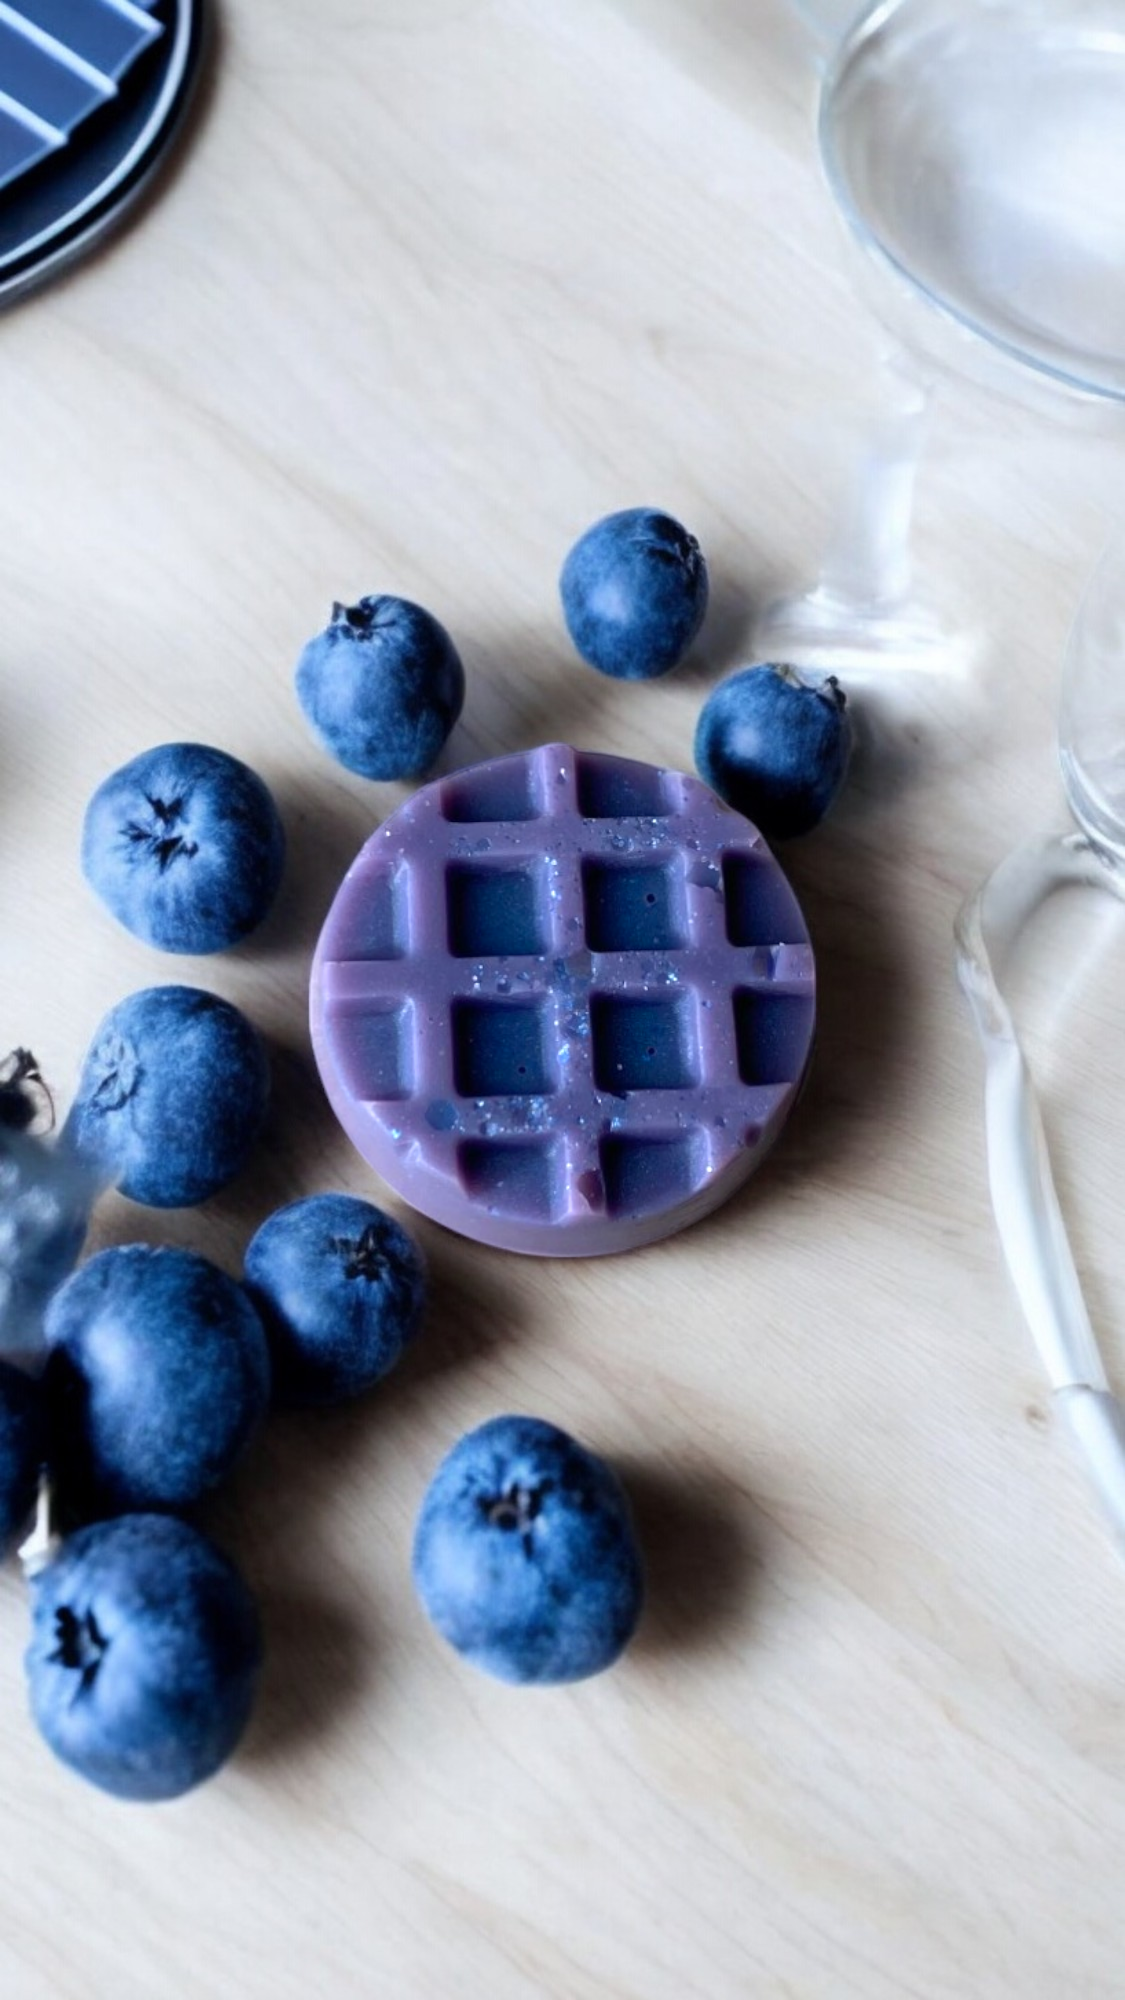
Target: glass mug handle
1029	1219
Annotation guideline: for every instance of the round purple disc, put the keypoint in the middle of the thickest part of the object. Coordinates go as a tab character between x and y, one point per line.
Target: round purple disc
563	1003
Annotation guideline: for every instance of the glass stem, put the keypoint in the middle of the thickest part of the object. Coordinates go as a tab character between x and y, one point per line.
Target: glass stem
867	565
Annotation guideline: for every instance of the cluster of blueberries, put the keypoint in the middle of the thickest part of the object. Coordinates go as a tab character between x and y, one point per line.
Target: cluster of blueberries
140	1378
383	685
772	744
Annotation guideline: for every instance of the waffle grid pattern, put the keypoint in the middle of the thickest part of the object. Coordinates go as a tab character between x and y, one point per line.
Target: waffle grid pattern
565	989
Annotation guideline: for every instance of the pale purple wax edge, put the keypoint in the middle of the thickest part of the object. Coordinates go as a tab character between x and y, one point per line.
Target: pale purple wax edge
563	1002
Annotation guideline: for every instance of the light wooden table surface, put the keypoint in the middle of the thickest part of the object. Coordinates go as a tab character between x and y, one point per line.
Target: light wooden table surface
435	284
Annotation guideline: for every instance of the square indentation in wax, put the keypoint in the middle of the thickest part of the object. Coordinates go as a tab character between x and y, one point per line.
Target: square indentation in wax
642	1175
501	791
374	927
500	1049
642	1044
374	1051
515	1176
494	910
761	907
633	907
609	788
772	1032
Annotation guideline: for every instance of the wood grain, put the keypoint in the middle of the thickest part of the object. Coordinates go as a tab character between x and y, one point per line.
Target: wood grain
435	283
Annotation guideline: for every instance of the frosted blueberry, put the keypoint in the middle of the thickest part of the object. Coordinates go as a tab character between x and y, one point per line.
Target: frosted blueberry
524	1554
185	847
158	1375
172	1096
634	593
776	747
382	687
340	1288
144	1656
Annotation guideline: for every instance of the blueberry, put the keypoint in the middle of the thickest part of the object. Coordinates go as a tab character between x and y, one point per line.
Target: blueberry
340	1288
775	747
172	1096
45	1198
185	846
144	1654
382	687
157	1377
22	1442
524	1555
634	593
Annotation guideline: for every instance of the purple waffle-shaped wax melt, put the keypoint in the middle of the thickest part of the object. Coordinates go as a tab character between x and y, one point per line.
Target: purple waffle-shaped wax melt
563	1003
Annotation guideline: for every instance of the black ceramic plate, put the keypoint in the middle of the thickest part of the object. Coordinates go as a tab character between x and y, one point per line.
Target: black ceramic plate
60	205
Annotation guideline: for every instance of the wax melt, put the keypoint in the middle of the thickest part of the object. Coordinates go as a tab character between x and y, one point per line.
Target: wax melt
563	1002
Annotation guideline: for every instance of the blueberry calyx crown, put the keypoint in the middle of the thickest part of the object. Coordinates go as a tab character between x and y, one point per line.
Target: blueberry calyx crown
672	543
515	1510
828	689
363	1256
81	1644
160	838
359	621
118	1071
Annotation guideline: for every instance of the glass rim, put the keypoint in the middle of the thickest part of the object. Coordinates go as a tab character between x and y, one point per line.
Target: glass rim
869	21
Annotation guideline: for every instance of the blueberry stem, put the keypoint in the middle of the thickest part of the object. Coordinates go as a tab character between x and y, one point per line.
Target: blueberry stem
515	1509
363	1257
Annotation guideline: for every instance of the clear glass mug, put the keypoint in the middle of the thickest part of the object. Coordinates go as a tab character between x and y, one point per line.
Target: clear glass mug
1029	1216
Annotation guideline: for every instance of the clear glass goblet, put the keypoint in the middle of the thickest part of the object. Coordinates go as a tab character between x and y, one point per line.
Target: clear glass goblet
975	150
